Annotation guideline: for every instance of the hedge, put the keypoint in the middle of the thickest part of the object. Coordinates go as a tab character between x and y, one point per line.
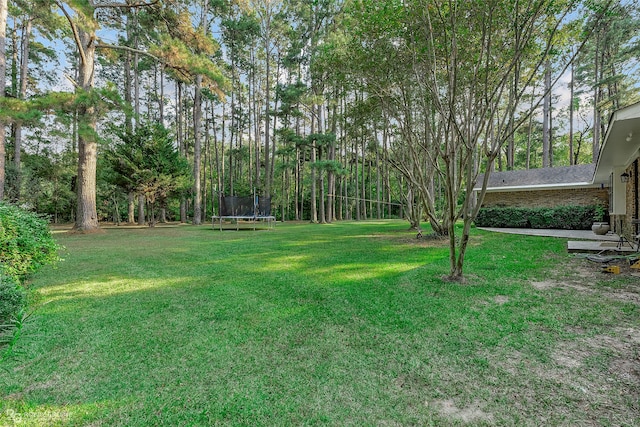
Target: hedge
561	217
12	300
26	245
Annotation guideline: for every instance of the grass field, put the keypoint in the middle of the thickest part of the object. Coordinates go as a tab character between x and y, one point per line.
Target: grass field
343	324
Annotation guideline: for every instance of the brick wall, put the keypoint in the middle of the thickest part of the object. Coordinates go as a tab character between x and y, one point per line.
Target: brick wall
548	198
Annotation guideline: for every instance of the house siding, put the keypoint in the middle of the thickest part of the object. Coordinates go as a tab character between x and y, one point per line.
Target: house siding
548	198
623	224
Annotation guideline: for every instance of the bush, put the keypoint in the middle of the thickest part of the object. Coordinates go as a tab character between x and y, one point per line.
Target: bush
12	299
26	243
503	218
561	217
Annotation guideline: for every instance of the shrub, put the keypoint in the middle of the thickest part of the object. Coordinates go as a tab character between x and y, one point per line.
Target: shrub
12	299
503	218
561	217
26	243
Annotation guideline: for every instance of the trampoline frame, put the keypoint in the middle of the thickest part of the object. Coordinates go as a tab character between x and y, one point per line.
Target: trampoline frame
247	209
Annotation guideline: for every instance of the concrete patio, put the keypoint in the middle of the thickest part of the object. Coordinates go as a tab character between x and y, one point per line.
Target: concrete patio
586	241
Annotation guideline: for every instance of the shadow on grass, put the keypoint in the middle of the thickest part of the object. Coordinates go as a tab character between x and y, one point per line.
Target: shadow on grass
307	324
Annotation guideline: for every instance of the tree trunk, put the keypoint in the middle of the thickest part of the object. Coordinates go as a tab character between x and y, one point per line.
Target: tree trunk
4	11
355	174
387	175
267	150
24	69
86	216
363	193
161	97
530	132
331	199
314	209
141	204
572	160
136	78
206	163
197	152
596	106
218	170
131	218
231	168
256	122
298	178
128	118
546	118
275	123
298	173
181	144
339	189
322	214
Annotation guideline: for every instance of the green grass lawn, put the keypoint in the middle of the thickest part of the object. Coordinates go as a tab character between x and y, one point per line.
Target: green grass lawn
343	324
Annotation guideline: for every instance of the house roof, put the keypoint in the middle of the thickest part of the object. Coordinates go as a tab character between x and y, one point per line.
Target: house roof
621	146
621	142
540	179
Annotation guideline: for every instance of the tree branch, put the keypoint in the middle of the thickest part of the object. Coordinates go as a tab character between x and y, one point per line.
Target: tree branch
129	49
110	5
183	71
74	30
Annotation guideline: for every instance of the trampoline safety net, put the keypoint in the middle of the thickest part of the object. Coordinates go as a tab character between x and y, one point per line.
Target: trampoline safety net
245	206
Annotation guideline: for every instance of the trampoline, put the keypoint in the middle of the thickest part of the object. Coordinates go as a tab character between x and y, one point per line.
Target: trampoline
248	210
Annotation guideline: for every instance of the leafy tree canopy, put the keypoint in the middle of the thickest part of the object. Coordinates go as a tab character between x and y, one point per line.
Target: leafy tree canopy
146	162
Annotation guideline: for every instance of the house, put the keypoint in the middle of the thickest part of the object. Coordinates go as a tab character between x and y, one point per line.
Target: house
617	168
611	182
545	188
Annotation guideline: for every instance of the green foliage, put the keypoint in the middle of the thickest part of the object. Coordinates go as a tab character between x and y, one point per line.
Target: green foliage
322	139
599	213
561	217
46	183
12	299
147	163
188	53
240	32
502	217
330	166
25	245
103	99
32	110
25	242
290	97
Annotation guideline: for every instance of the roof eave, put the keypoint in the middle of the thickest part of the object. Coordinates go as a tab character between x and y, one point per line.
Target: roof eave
563	186
620	145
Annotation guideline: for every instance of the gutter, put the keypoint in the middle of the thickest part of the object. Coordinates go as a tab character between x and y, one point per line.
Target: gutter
561	186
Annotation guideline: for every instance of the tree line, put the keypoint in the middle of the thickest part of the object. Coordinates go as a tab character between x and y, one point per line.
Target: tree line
336	109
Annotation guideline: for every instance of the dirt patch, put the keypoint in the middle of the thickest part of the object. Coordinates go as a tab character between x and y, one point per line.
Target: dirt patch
468	414
425	240
599	368
627	370
568	360
546	284
590	278
411	238
620	353
619	349
501	299
74	231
